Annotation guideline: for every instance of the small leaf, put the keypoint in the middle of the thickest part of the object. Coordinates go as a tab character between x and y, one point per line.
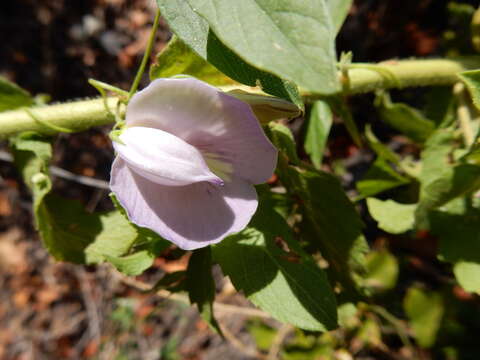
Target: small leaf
425	311
201	286
379	178
381	271
405	119
282	137
459	230
317	130
12	96
287	285
392	217
134	264
177	58
294	40
32	154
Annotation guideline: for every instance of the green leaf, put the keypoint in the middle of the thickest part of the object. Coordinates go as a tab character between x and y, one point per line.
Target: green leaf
472	80
177	58
282	137
379	178
285	283
195	32
436	156
338	11
12	96
339	107
71	234
459	231
380	149
134	264
317	130
457	181
405	119
425	310
381	271
32	154
392	217
67	231
294	40
201	286
325	209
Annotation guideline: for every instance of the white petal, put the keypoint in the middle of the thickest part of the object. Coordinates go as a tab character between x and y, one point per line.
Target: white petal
191	216
210	120
163	158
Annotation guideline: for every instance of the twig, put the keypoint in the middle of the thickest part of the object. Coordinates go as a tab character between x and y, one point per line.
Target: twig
90	304
398	325
65	174
273	353
233	340
217	306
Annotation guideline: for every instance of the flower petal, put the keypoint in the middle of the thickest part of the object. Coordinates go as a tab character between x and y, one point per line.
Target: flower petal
163	158
190	216
208	119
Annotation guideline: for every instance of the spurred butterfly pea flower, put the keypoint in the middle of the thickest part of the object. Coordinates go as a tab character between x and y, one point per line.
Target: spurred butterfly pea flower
187	161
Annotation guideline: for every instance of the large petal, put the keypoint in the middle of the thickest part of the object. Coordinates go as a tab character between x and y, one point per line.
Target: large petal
210	120
190	216
163	158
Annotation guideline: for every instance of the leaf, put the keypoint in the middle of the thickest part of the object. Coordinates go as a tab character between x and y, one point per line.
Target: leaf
134	264
287	285
201	286
32	153
392	217
293	40
425	310
459	232
405	119
12	96
325	210
338	11
339	107
380	149
317	130
457	181
194	31
381	270
282	137
435	156
472	80
379	178
71	234
177	58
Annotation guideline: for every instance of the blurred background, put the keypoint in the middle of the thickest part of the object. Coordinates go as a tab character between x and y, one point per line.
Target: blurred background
52	310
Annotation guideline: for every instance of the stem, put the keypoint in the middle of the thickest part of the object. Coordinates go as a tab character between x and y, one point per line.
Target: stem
463	114
80	115
145	58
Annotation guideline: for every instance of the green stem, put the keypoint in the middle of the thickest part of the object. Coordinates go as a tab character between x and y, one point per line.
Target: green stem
145	58
80	115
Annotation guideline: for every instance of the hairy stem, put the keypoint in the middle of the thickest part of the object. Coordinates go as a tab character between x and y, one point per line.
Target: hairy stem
80	115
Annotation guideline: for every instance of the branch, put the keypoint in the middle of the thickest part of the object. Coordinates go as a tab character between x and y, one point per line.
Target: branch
362	78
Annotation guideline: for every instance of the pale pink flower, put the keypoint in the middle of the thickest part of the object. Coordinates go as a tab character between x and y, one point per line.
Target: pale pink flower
187	161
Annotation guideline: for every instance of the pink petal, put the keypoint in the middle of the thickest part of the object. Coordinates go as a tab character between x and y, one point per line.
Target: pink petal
208	119
190	216
162	157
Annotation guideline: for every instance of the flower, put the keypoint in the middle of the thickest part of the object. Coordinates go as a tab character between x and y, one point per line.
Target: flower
187	161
